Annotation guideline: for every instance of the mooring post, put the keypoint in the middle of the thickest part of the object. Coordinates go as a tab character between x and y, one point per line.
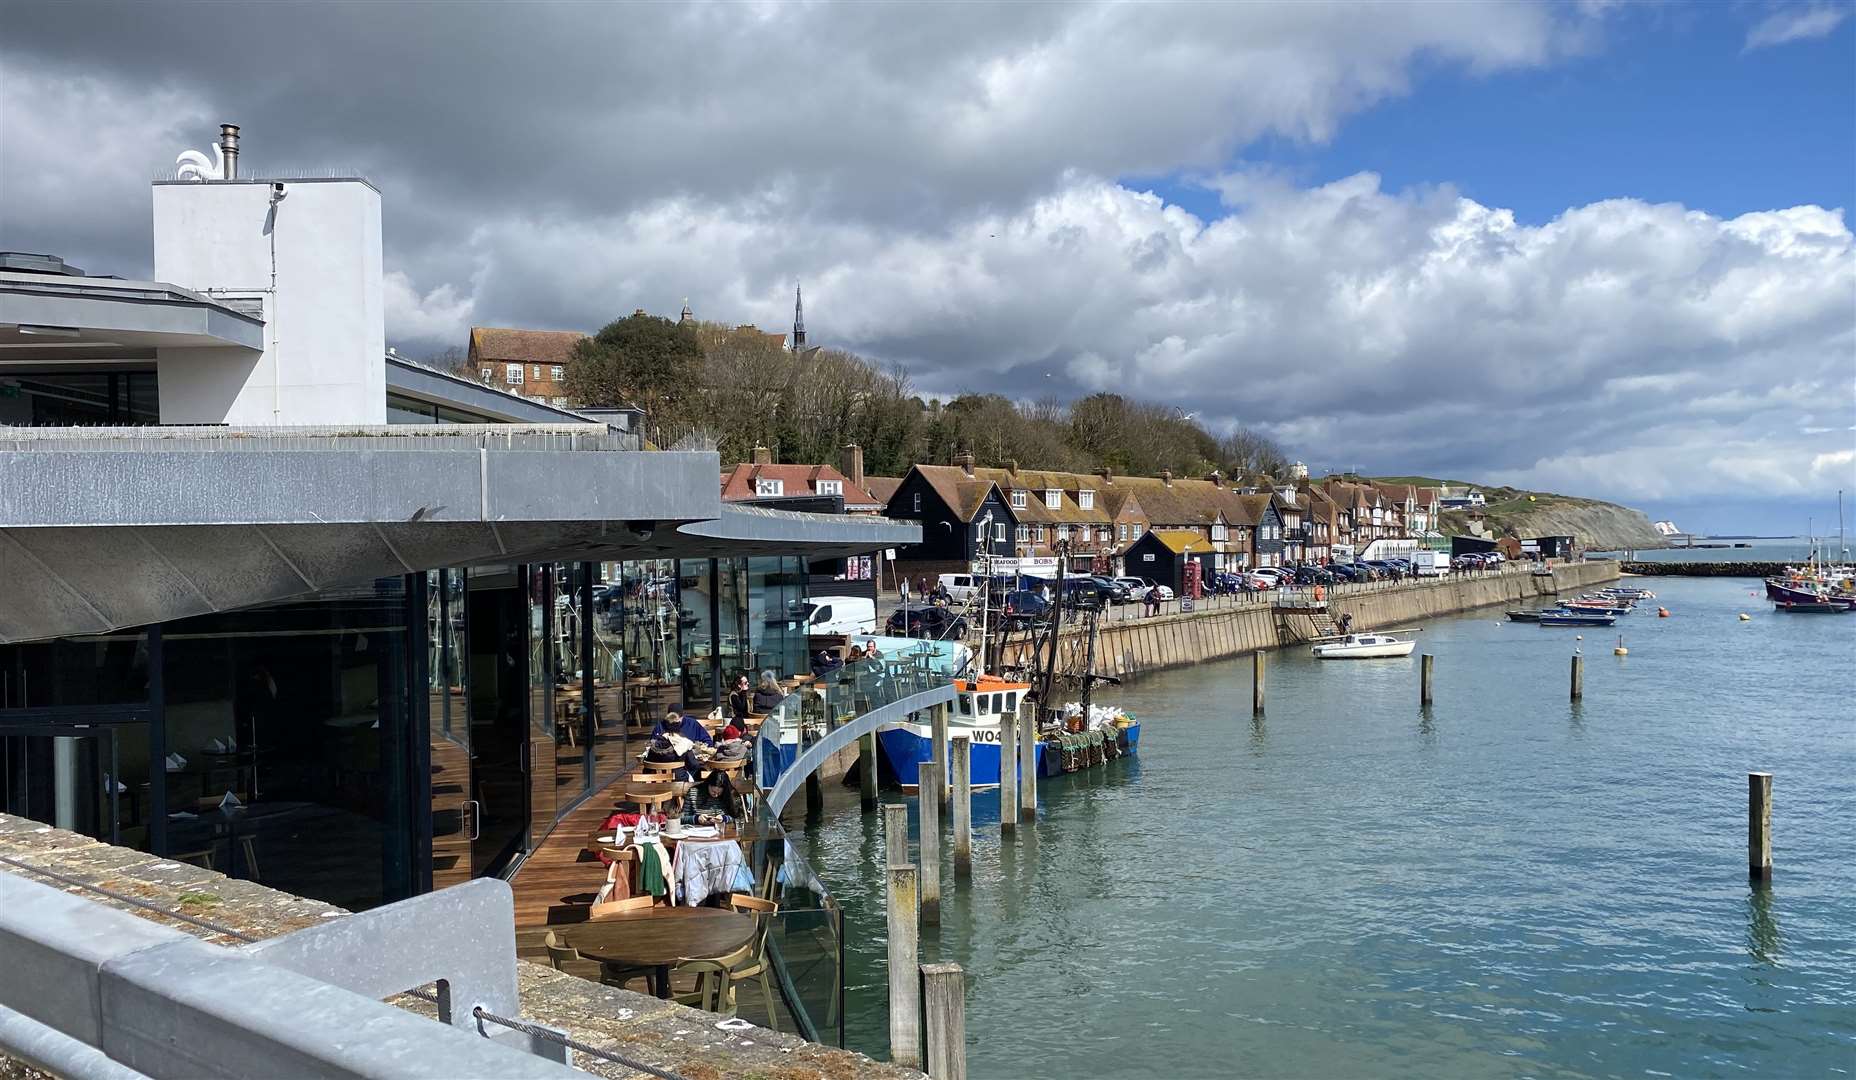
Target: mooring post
1578	677
1256	683
944	994
1424	678
896	835
866	773
905	981
962	750
815	796
937	728
930	874
1027	765
1759	825
1008	772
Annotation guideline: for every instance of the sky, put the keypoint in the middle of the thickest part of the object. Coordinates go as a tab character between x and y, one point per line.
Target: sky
1596	248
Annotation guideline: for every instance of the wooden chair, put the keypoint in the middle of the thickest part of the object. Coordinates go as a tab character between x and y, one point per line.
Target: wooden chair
717	979
660	766
561	956
651	778
619	907
202	859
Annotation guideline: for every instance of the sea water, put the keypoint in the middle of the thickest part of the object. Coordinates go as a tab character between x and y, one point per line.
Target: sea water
1505	884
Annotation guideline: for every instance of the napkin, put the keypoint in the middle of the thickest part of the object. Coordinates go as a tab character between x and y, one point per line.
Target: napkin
230	802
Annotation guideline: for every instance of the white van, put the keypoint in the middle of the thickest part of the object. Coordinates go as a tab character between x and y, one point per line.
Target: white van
960	587
840	615
1430	563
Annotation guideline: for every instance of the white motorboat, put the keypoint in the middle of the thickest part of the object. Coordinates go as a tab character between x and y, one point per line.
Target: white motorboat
1365	646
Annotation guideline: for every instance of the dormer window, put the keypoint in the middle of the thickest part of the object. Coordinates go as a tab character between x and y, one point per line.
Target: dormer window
1220	531
831	487
1086	499
766	487
1018	500
1053	498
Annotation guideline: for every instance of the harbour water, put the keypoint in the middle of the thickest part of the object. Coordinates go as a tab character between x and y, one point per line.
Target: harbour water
1786	549
1504	885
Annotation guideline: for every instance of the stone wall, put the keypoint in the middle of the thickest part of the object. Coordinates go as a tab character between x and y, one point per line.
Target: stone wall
667	1036
1131	647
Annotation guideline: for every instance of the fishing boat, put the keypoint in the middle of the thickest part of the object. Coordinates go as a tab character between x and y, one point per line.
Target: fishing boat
1366	646
1566	617
1527	615
979	706
1600	606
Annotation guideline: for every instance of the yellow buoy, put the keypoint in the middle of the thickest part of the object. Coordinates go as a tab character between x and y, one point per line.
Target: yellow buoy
1744	617
1620	650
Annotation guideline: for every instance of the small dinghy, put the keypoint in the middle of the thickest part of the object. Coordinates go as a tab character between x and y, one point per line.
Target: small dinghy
1366	646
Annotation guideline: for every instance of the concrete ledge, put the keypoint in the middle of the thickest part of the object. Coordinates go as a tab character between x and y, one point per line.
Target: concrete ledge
659	1033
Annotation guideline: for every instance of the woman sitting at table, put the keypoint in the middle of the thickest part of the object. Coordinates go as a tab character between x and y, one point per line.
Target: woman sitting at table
675	723
739	699
710	801
670	747
768	695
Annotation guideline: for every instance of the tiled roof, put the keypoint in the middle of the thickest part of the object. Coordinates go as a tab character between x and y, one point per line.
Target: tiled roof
1182	502
524	346
1035	482
1177	539
962	493
738	483
882	487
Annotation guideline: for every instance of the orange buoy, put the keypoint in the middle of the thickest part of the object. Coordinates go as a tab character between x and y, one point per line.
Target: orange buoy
1662	613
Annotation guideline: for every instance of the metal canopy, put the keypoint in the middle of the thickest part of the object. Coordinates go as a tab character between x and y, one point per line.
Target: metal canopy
50	317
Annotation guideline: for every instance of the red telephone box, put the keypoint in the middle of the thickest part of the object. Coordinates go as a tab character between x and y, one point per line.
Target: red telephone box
1194	570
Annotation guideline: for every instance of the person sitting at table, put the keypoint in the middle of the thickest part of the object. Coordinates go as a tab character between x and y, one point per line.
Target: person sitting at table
826	662
768	695
670	747
711	801
675	723
739	699
855	656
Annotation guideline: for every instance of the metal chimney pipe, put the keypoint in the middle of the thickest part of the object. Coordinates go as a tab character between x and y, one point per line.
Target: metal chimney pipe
228	146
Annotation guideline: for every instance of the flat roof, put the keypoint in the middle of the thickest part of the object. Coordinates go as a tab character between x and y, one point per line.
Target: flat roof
434	386
46	316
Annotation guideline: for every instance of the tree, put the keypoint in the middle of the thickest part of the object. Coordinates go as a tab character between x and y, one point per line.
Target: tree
454	361
641	360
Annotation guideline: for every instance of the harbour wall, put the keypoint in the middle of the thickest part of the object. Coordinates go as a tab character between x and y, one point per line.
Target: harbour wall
1707	569
1128	648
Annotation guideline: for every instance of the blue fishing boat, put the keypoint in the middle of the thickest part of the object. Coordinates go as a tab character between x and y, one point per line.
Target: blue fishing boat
1565	617
975	717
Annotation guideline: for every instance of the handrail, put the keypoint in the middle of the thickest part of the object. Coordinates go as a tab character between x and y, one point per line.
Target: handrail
814	755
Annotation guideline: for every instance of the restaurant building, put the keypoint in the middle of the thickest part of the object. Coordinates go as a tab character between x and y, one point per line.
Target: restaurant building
277	602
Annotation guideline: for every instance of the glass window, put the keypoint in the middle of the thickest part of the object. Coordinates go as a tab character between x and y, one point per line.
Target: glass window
558	373
1063	532
1018	500
405	410
487	373
76	398
998	530
513	374
1040	534
1053	499
767	487
918	502
1086	499
831	487
534	372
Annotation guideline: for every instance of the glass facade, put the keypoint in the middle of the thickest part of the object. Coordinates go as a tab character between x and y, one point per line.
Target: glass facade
78	398
369	743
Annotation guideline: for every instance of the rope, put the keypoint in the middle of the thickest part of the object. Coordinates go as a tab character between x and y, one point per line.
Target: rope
423	995
571	1043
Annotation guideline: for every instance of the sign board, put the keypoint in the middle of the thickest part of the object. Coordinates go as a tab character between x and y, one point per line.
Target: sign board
890	554
1185	603
1044	566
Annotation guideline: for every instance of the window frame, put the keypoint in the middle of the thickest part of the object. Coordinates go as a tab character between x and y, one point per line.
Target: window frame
767	487
512	375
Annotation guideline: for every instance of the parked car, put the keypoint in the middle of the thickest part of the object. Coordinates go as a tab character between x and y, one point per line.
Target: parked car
1137	587
1113	590
841	615
1161	593
1343	572
1312	575
1083	592
1024	607
926	622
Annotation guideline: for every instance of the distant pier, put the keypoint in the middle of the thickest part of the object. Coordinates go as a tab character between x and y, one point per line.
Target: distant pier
1705	569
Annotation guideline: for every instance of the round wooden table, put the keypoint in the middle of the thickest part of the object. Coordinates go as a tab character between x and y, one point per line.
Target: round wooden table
660	938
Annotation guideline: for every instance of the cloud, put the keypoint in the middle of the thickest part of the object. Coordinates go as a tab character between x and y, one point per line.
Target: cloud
1796	24
440	314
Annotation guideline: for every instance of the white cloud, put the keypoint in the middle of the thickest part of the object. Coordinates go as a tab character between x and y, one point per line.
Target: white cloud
1796	24
439	314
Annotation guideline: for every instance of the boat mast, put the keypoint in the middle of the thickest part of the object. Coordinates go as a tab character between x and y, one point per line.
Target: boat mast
985	588
1056	630
1089	664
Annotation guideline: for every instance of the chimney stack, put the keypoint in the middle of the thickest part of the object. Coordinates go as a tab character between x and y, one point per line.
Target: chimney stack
1107	474
763	456
851	463
1216	477
1011	466
964	459
228	146
1166	477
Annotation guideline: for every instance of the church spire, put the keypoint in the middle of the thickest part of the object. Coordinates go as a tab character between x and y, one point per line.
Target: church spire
799	319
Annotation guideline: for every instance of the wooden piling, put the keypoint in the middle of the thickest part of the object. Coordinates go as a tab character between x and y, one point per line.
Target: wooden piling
1759	825
962	753
815	795
930	864
896	835
1008	772
1027	765
905	986
866	773
944	995
1256	683
1424	678
1578	677
937	727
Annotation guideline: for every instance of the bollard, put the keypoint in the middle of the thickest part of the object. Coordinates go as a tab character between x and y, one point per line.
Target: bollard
944	996
1424	678
937	729
896	835
1027	765
905	982
866	773
815	796
929	878
962	753
1256	683
1759	825
1578	677
1008	772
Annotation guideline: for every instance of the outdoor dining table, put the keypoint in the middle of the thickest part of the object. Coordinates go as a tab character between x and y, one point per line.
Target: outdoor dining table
660	938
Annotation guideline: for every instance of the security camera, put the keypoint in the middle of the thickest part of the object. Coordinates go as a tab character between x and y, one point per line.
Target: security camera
277	192
642	530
